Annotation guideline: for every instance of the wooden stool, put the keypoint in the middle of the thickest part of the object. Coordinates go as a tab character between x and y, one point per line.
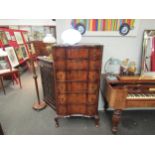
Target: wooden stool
7	72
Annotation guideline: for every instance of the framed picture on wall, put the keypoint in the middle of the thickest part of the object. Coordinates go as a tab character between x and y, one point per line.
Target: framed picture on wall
108	27
25	34
13	38
24	51
3	63
31	48
3	38
18	37
19	53
12	56
8	35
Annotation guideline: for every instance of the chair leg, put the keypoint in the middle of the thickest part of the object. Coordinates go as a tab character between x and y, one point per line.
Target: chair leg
15	78
1	78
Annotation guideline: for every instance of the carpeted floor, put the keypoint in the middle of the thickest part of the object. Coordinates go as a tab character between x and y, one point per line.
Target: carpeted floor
18	118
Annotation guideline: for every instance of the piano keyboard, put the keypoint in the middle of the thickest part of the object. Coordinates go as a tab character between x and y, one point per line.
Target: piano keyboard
140	96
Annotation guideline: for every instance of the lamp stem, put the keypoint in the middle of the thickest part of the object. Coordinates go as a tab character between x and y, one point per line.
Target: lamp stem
40	104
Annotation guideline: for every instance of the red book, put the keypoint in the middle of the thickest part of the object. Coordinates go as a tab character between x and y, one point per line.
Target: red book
103	24
129	21
94	24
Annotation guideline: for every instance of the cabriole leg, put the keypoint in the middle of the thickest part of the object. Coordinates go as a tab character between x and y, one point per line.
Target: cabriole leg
97	120
116	120
56	121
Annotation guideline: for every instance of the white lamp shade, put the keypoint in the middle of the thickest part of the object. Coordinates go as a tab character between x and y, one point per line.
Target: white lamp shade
49	38
3	53
71	37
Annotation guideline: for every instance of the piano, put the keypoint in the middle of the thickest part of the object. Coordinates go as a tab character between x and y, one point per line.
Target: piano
127	92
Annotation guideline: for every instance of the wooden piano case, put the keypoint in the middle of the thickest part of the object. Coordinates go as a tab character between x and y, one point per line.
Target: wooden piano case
128	92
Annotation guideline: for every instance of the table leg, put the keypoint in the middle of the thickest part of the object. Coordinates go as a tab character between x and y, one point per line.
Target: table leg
1	78
116	120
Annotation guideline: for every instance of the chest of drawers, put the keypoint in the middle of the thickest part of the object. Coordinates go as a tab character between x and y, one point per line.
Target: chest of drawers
76	80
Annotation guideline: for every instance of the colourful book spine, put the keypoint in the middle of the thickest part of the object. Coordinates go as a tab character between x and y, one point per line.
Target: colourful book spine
94	24
118	24
73	22
109	24
99	24
121	22
81	21
129	22
103	24
77	20
113	24
132	23
87	24
96	28
91	25
84	22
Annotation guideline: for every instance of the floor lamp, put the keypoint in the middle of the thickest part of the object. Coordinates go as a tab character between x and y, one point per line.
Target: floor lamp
39	105
49	39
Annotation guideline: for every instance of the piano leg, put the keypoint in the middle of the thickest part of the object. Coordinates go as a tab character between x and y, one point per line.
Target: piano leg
106	106
116	120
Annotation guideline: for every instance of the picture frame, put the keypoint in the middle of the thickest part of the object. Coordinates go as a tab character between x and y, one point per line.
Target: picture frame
3	62
31	48
3	38
24	52
8	35
18	37
12	56
19	53
38	32
26	36
13	38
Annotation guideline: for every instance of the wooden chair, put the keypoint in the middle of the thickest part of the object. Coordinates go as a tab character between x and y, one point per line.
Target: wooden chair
7	72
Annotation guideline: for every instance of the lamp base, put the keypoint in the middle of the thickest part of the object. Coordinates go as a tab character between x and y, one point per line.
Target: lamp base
39	106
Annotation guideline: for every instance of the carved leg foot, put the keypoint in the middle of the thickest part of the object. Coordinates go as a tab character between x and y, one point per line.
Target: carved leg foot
116	120
97	121
56	121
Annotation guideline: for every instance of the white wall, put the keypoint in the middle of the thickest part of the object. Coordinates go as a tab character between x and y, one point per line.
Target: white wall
34	22
117	47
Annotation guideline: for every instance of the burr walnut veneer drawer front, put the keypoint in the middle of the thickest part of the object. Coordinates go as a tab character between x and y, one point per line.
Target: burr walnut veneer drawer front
62	87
